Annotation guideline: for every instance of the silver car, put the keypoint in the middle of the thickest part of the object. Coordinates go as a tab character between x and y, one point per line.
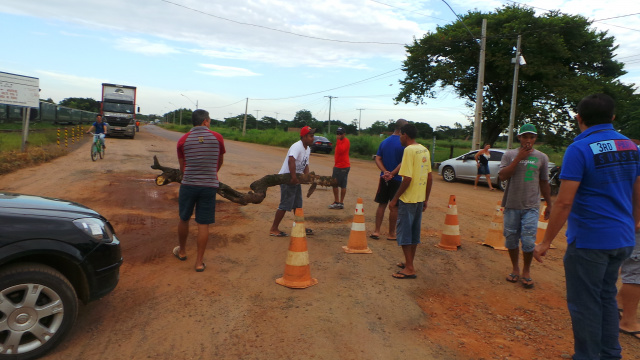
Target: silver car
464	167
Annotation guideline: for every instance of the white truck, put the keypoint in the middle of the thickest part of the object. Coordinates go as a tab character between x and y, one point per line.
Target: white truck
118	109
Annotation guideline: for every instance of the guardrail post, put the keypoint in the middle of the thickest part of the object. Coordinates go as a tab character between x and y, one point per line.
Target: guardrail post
73	135
58	137
66	135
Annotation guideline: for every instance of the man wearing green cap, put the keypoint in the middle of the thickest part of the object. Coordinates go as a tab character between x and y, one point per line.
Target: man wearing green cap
526	170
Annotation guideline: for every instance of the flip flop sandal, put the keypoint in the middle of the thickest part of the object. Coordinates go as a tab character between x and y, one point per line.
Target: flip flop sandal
176	253
400	265
404	276
513	278
280	234
204	266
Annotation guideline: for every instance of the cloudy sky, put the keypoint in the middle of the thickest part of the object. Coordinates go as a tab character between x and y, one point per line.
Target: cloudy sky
283	55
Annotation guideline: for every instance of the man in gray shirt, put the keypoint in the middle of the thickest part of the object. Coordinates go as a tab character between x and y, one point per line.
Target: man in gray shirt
528	175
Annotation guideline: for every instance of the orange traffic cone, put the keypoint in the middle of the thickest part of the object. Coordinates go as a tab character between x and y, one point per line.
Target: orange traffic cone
495	236
358	237
297	273
542	226
451	233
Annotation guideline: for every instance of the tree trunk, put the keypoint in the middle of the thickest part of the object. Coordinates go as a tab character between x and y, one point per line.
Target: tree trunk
258	187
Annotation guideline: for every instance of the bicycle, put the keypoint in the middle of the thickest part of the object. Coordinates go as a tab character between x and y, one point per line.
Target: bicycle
97	148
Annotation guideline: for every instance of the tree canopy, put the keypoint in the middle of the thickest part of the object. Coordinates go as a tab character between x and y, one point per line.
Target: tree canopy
566	60
87	104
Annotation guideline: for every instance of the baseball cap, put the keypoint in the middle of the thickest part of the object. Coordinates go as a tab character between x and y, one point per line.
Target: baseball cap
340	131
306	130
527	128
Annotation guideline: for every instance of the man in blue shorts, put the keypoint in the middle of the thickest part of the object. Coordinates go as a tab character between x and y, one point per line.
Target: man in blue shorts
200	154
600	197
526	170
296	162
388	159
100	129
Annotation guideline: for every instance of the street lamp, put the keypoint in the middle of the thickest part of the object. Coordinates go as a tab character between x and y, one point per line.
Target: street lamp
174	112
194	103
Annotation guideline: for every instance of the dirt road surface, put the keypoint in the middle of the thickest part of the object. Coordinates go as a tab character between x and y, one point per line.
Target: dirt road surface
459	307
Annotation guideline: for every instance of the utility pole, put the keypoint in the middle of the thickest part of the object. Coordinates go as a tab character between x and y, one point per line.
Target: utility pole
244	123
359	121
330	98
257	116
514	94
477	123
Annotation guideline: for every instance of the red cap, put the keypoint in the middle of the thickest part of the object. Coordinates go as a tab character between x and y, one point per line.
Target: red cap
306	130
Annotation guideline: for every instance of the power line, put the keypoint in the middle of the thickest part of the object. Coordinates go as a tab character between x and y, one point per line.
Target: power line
339	87
278	30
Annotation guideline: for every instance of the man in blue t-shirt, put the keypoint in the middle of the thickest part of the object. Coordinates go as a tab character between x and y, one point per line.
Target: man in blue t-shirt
100	129
600	197
388	159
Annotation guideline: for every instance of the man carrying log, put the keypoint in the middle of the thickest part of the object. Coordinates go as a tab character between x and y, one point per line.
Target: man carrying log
296	162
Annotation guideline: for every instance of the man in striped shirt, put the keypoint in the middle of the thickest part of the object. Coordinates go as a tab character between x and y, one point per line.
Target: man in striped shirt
200	153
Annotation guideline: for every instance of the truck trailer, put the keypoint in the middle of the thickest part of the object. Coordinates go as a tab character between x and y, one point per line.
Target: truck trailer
118	109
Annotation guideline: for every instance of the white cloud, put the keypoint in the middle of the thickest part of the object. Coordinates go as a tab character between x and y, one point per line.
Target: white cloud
226	71
142	46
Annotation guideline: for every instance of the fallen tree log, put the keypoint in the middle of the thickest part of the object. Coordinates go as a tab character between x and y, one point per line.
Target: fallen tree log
258	187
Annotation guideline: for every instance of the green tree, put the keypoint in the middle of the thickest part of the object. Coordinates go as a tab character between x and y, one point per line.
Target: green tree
87	104
566	60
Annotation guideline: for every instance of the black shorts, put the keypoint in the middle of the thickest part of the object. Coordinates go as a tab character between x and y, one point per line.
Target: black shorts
341	175
386	190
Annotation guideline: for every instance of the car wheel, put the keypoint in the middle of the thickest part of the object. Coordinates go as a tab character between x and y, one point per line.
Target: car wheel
38	308
448	174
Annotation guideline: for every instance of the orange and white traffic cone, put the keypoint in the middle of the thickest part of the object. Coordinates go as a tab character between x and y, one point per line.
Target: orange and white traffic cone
542	226
297	273
495	236
451	233
358	237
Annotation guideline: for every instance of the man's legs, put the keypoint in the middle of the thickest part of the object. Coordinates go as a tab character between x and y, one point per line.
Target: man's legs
343	192
511	232
514	255
203	237
276	221
183	232
336	198
409	252
379	217
629	298
393	221
591	276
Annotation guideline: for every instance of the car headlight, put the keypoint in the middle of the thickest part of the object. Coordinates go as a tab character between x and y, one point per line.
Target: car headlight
95	228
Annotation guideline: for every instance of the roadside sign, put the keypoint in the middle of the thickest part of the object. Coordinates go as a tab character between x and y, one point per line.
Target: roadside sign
19	90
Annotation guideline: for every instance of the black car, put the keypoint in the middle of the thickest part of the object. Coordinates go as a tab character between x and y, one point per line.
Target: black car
52	253
321	143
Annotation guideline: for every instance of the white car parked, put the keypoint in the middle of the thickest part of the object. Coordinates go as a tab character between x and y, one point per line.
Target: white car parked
464	167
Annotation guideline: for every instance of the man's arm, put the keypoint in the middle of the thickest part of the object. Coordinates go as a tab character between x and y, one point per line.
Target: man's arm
507	172
427	191
404	185
292	170
91	129
636	202
545	190
220	161
559	216
181	162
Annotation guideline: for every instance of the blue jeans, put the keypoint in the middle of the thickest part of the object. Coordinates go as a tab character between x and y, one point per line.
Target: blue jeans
520	225
591	277
409	222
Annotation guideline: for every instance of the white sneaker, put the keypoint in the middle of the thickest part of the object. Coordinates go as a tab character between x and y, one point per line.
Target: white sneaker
334	206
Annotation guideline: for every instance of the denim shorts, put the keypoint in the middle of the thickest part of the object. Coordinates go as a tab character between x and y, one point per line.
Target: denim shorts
520	224
290	197
341	174
202	198
409	223
630	270
484	169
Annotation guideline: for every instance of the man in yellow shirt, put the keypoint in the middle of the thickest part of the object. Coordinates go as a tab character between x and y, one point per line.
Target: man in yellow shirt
411	198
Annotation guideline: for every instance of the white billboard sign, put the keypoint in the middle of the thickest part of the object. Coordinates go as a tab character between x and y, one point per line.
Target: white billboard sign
19	90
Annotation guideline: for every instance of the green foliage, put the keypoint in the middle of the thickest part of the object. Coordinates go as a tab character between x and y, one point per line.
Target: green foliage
566	60
87	104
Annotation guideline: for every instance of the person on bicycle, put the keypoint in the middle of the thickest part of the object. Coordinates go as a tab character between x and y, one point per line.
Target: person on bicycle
100	129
